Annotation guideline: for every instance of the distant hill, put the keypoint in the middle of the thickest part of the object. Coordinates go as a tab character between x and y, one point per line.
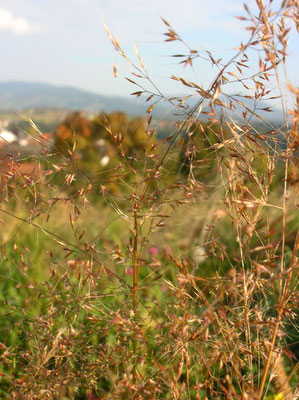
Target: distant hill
25	95
20	96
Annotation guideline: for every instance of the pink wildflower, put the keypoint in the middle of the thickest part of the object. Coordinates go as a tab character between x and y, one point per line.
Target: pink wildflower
154	251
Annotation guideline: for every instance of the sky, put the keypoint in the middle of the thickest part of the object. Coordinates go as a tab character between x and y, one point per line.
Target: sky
64	42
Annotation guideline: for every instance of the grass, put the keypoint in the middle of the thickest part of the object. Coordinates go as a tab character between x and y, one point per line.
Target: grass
103	296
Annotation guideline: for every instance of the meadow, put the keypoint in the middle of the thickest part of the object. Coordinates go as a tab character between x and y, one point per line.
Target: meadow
171	272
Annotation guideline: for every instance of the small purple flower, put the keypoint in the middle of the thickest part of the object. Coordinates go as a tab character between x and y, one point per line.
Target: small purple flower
154	251
130	271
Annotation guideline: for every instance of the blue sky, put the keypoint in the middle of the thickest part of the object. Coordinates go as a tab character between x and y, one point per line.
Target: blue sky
64	42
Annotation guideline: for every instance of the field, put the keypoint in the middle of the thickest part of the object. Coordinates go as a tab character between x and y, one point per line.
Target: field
169	271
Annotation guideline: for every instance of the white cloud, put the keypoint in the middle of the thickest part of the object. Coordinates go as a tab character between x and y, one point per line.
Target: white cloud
15	24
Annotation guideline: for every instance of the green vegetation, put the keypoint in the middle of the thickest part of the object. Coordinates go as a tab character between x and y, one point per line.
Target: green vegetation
46	119
169	270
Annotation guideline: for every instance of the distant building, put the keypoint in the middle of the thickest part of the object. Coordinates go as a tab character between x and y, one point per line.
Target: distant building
15	141
7	135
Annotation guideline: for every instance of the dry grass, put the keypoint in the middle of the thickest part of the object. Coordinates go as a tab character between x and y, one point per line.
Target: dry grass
128	311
